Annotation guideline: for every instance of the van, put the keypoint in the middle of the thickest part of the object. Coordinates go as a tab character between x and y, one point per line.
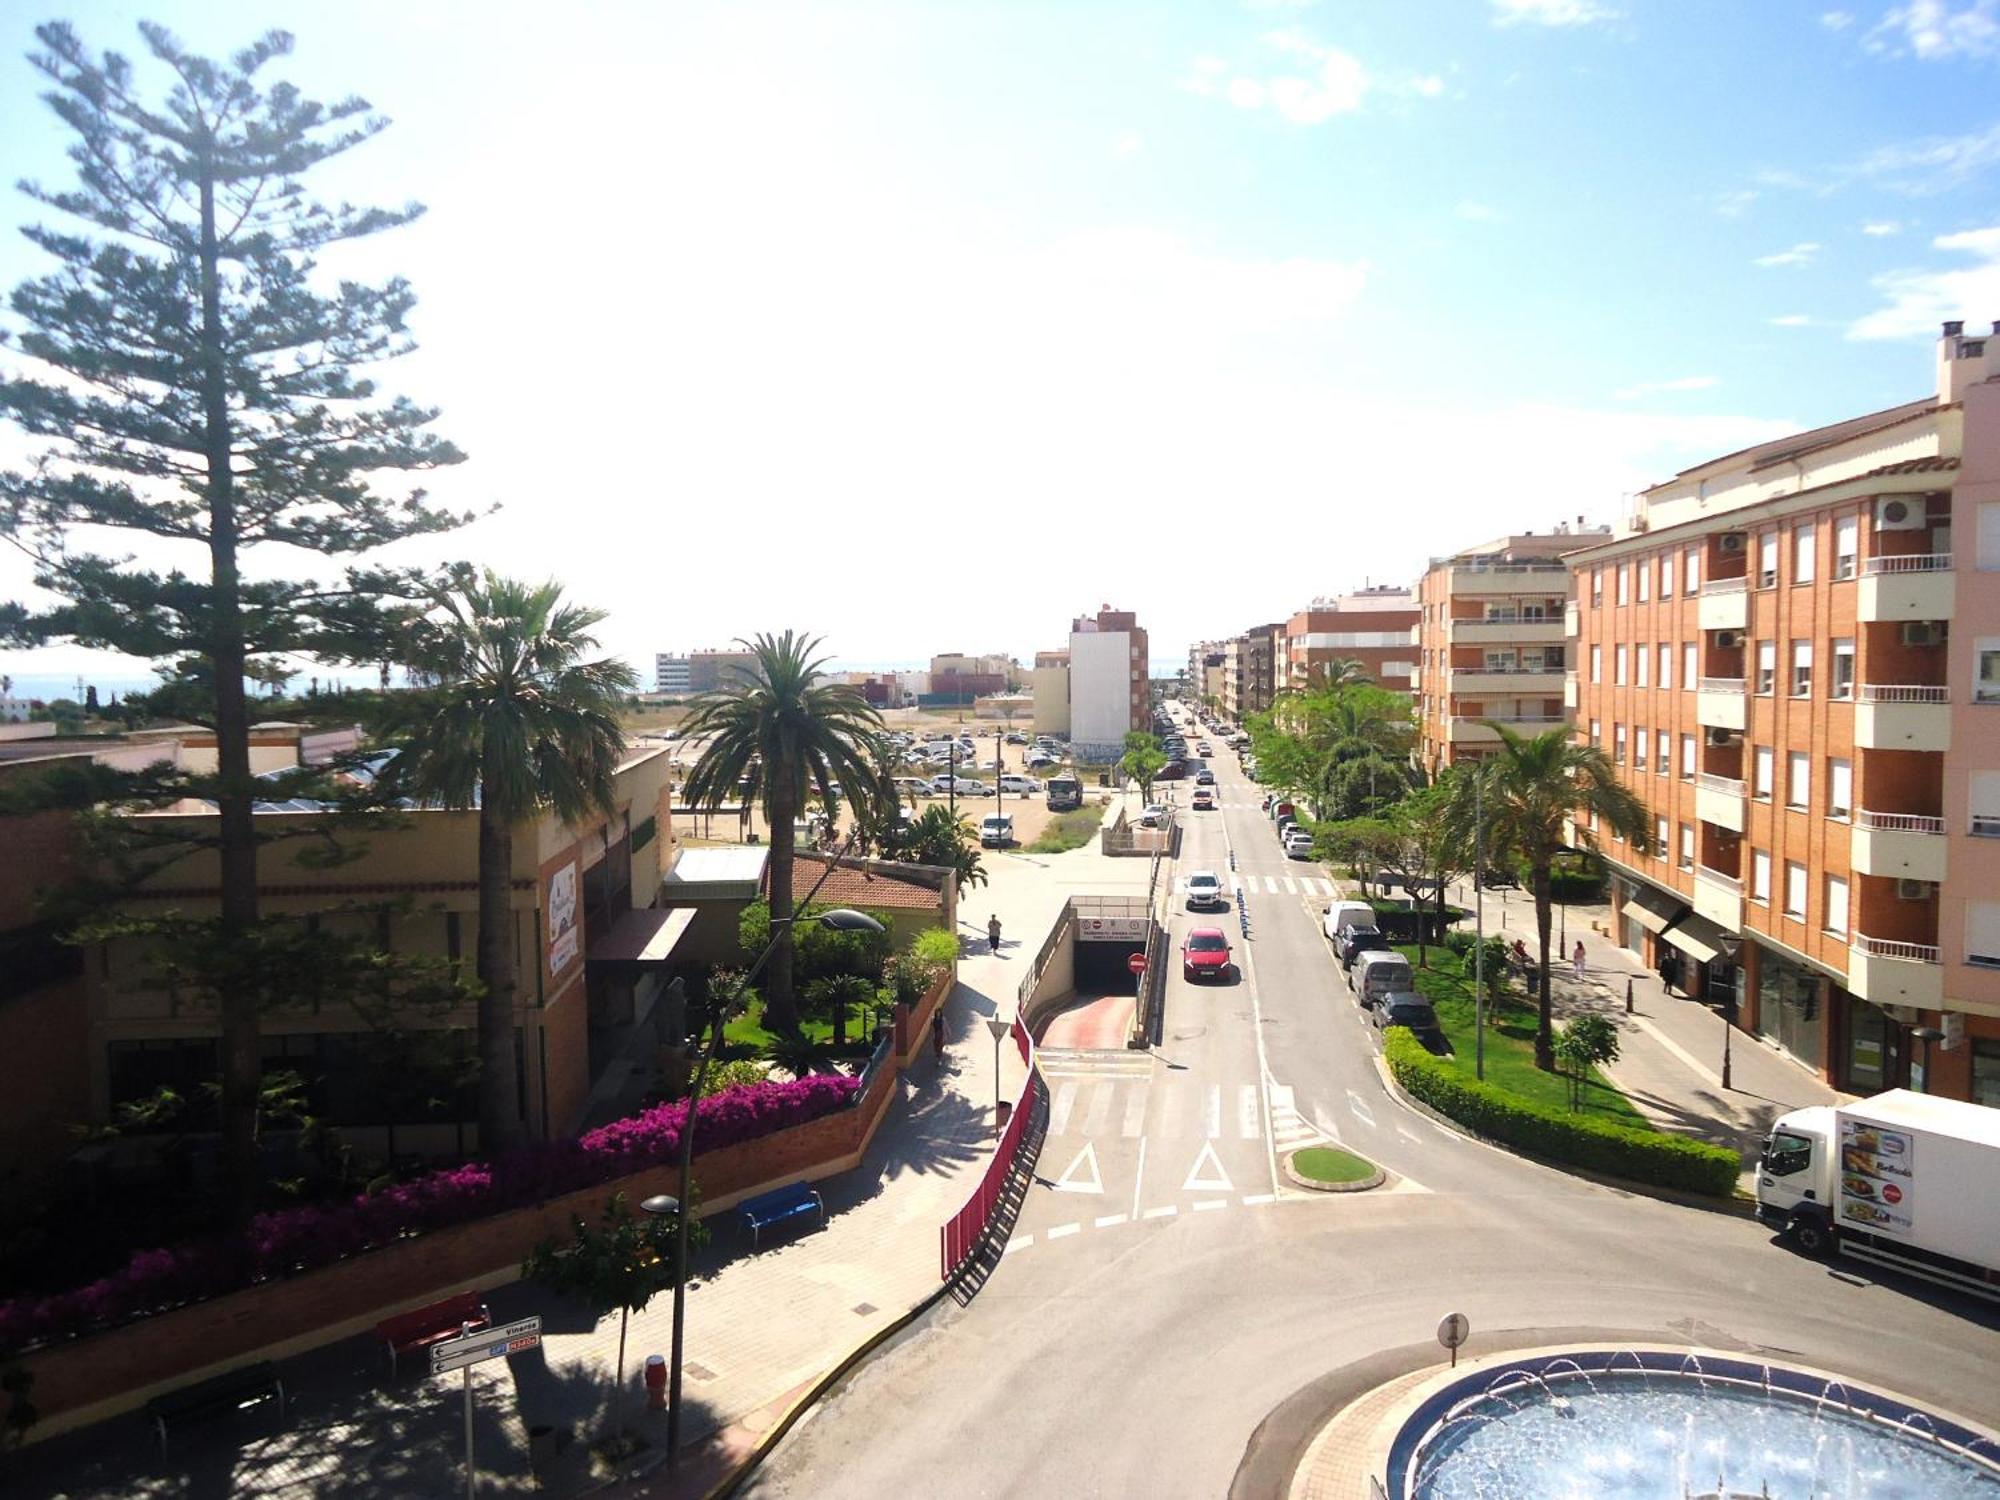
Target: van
1376	974
996	831
1339	914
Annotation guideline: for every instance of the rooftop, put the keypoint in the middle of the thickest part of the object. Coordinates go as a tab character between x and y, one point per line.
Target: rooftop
866	884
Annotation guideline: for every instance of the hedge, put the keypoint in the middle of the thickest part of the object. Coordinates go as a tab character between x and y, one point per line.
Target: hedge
1671	1161
290	1240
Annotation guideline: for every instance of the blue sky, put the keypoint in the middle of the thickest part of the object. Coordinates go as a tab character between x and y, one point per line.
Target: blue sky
927	325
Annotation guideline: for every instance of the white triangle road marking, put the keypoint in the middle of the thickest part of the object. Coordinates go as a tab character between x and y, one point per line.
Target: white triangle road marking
1215	1182
1086	1157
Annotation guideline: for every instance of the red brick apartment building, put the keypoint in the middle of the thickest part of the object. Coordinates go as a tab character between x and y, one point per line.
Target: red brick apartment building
1371	627
1792	653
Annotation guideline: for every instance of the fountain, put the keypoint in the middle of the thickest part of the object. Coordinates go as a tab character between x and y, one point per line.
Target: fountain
1671	1425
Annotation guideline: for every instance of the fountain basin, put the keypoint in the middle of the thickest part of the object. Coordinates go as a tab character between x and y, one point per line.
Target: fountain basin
1671	1425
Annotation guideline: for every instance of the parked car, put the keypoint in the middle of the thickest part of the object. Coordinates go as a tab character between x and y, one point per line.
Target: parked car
967	787
942	785
1036	760
1361	939
1298	843
1204	800
1408	1008
1173	770
1377	972
1017	738
1281	807
1023	784
1341	915
1202	748
1154	816
1204	891
1205	955
912	786
996	831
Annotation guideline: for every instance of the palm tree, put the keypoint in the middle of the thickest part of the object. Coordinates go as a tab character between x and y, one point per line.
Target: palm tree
786	734
1531	789
510	719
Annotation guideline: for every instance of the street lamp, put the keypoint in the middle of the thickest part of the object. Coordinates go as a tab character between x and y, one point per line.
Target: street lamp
841	919
1926	1035
1000	1027
1730	947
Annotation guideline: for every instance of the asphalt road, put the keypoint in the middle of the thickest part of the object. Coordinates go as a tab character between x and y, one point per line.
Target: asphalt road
1163	1294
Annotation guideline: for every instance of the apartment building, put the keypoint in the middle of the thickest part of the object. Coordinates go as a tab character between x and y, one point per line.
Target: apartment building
1371	627
1248	662
1207	670
709	671
1792	654
1491	644
671	674
1109	691
1048	685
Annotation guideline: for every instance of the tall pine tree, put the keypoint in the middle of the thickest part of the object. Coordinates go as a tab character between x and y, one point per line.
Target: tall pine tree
191	375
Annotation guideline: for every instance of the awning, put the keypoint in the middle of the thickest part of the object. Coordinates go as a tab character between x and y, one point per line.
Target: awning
645	936
1697	937
1652	909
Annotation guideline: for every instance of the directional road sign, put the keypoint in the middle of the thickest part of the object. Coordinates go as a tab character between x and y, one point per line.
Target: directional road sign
485	1344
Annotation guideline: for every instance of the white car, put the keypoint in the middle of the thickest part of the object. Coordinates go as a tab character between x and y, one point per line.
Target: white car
1153	817
1204	891
1027	785
912	786
996	832
1298	844
967	787
1038	760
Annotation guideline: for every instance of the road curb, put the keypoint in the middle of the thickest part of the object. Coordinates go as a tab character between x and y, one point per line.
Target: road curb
1737	1206
1312	1185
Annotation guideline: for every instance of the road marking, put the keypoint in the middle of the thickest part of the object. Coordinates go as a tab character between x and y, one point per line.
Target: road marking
1069	1182
1059	1111
1139	1177
1108	1221
1291	886
1360	1110
1162	1213
1246	1112
1099	1113
1409	1135
1170	1112
1217	1181
1135	1112
1019	1242
1255	1200
1204	1204
1236	882
1062	1231
1270	885
1211	1112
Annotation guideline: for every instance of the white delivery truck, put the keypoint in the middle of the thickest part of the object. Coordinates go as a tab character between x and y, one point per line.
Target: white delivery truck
1905	1179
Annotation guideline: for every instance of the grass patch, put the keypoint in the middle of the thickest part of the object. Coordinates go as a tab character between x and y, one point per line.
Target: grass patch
1330	1164
1069	830
1510	1042
746	1035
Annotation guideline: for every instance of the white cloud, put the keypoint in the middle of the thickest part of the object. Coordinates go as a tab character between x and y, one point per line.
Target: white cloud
1335	84
1336	89
1878	228
1476	212
1428	85
1550	12
1245	93
1939	29
1918	300
1791	320
1662	387
1836	20
1733	204
1799	255
1128	143
1934	164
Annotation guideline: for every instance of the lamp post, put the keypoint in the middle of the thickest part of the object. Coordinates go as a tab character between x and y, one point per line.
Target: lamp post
1479	920
841	919
999	1027
1926	1035
1730	947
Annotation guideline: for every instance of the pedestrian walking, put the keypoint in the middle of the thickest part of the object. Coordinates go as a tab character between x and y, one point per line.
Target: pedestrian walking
937	1033
1670	968
993	933
1576	960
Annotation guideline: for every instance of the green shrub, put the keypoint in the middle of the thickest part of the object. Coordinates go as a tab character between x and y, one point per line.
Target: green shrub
1672	1161
729	1073
1068	830
1459	940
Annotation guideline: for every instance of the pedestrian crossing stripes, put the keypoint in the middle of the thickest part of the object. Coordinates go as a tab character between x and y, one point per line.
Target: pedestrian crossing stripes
1289	1129
1059	1062
1290	885
1099	1107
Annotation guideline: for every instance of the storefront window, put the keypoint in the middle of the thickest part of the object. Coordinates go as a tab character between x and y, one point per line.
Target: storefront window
1986	1071
1788	1007
1872	1038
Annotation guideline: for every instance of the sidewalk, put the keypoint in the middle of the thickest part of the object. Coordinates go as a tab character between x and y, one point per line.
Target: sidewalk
1670	1047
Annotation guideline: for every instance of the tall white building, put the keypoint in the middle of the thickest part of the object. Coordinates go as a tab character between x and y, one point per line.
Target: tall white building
670	674
1109	694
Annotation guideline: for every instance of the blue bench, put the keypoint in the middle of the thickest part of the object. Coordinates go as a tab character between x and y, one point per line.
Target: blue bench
777	1206
210	1400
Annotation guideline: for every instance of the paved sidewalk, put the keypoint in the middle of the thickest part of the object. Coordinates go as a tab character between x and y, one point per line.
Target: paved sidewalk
1670	1047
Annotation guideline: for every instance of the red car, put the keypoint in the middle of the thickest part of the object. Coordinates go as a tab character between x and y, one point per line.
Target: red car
1205	954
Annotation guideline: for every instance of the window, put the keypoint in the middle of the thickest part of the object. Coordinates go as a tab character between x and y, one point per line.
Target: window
1982	934
1687	846
1660	844
1645	577
1846	546
1989	535
1666	575
1767	667
1804	553
1842	685
1665	747
1644	664
1640	740
1839	787
1985	805
1624	583
1986	685
1597	664
1666	665
1795	890
1761	764
1801	669
1687	757
1596	586
1618	665
1690	665
1767	559
1760	876
1691	574
1618	742
1597	733
1836	905
1798	779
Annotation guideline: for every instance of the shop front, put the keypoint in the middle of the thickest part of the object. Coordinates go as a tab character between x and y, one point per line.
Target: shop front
1791	1007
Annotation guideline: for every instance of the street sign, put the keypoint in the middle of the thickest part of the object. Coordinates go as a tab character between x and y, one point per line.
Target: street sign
484	1344
1136	963
1453	1330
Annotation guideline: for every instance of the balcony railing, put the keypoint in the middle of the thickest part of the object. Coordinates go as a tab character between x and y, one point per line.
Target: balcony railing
1708	781
1725	585
1882	822
1916	953
1715	877
1510	718
1505	567
1905	692
1510	617
1528	669
1722	684
1914	562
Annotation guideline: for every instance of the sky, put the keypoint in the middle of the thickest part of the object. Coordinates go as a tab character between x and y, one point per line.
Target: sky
926	326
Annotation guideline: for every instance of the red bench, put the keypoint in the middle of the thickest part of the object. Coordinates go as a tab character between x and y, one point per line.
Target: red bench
406	1333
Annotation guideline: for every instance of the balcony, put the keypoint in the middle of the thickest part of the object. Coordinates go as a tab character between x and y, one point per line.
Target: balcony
1510	578
1719	800
1902	716
1572	619
1570	690
1720	703
1904	846
1505	628
1916	586
1890	973
1476	729
1718	897
1724	604
1534	681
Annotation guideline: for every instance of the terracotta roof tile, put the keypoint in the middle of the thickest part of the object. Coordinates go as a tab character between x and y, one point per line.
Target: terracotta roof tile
847	886
1931	465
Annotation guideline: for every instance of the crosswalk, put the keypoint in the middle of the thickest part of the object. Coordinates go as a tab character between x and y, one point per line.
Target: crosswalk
1097	1095
1289	885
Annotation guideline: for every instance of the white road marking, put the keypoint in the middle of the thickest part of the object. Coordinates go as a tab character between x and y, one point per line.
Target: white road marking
1254	1200
1072	1182
1204	1204
1211	1112
1019	1242
1270	885
1135	1112
1108	1221
1246	1112
1291	886
1099	1113
1062	1231
1216	1181
1170	1113
1236	882
1360	1110
1409	1135
1139	1177
1162	1213
1065	1101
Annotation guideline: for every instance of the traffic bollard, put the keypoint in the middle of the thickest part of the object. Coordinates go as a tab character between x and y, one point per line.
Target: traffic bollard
1628	996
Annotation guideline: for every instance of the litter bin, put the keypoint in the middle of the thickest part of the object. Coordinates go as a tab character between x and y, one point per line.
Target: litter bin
1001	1114
1104	778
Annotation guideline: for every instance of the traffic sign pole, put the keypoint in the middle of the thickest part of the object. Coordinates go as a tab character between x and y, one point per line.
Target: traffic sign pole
471	1473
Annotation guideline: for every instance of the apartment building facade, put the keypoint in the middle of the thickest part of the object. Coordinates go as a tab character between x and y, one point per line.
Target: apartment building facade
1048	684
671	674
1248	661
1371	626
710	671
1109	692
1491	644
1792	654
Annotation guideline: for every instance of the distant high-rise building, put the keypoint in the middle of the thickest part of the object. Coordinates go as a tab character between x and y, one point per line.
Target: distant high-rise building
670	674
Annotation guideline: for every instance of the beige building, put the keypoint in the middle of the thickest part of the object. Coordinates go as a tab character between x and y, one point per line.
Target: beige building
1249	664
1371	626
1049	686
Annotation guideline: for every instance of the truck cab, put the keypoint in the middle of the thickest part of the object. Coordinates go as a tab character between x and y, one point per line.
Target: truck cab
1795	1177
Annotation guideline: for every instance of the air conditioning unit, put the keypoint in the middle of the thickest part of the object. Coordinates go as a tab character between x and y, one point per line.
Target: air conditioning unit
1914	890
1729	640
1926	633
1719	738
1732	541
1900	513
